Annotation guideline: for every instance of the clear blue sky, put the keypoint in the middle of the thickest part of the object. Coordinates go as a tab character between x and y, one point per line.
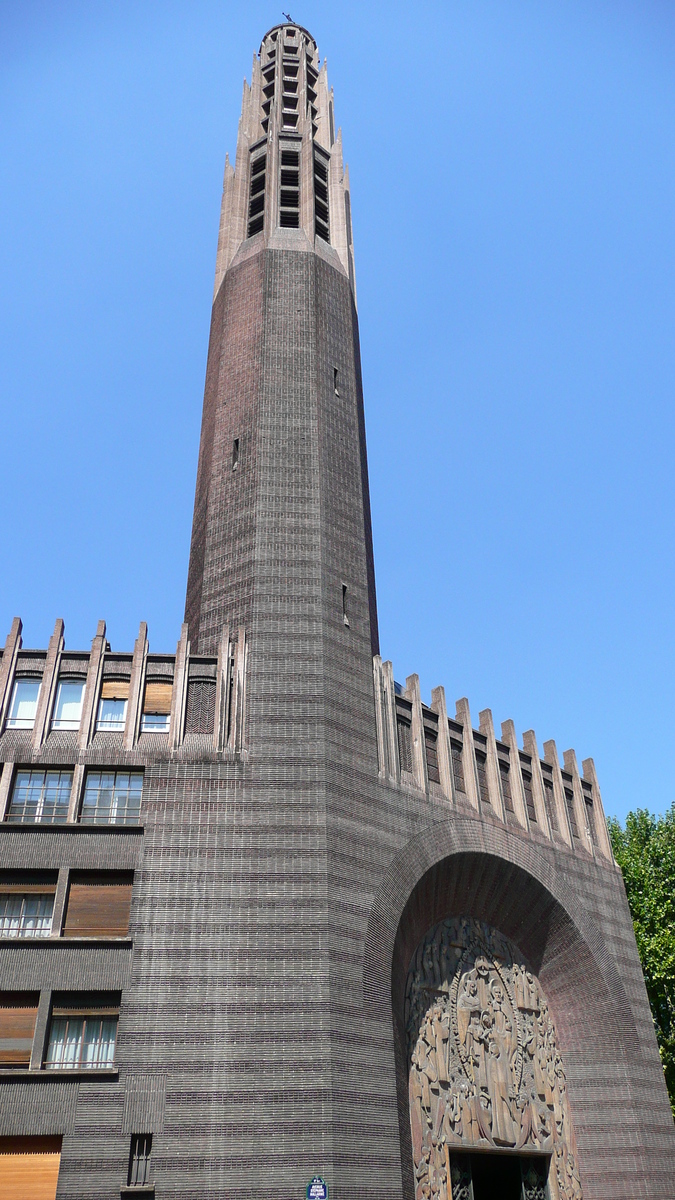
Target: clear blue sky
513	184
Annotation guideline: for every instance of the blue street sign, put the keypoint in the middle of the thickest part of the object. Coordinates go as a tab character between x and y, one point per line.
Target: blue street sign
317	1189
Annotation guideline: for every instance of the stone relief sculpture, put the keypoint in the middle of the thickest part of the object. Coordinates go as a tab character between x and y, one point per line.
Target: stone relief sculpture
485	1071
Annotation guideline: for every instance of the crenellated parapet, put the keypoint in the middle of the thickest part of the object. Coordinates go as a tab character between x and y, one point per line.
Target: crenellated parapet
422	748
288	172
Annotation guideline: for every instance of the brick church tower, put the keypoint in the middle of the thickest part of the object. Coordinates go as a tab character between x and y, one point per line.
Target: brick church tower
271	925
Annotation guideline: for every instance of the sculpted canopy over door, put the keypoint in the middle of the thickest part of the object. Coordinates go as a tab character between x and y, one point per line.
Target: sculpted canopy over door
485	1072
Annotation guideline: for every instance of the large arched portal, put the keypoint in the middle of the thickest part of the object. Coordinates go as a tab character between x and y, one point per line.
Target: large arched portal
489	1113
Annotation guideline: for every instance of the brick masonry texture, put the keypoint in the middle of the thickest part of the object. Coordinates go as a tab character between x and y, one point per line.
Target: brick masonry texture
281	888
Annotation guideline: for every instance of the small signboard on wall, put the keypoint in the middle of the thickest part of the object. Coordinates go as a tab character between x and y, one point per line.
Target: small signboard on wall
317	1189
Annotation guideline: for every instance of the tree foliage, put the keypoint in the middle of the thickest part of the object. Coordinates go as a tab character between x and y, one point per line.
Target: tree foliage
645	851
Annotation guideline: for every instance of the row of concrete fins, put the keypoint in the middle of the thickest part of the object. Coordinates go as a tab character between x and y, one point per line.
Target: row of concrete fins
228	734
390	767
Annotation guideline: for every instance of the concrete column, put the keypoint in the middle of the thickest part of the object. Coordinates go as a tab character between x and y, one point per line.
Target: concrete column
412	691
517	789
570	761
389	713
272	177
463	716
5	785
551	757
92	688
41	1027
222	691
237	739
179	693
530	747
48	687
438	704
8	668
60	902
604	844
136	685
307	182
75	793
494	778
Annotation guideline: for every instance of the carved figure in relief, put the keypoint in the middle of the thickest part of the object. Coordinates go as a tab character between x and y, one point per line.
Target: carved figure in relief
485	1068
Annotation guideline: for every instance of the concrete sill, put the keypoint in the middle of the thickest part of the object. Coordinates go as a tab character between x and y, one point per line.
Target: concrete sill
69	827
25	1076
51	942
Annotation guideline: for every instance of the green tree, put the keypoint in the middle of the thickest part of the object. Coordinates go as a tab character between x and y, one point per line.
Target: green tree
645	851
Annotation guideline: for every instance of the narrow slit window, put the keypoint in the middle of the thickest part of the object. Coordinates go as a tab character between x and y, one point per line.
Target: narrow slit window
571	811
529	797
345	616
549	799
431	752
335	381
235	454
139	1160
505	772
481	766
457	765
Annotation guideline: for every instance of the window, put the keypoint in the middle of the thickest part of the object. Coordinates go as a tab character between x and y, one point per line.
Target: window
481	767
18	1014
156	708
289	210
112	798
98	904
404	734
256	207
201	706
529	796
68	707
139	1160
549	800
26	911
112	707
335	382
29	1167
82	1038
235	454
457	765
505	772
40	797
571	811
345	617
321	224
24	704
431	750
590	815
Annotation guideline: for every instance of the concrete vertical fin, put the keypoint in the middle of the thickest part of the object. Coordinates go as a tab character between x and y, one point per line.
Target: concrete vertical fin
517	789
530	747
564	823
48	687
136	687
439	706
92	688
389	713
412	688
8	668
494	778
179	693
590	775
463	716
222	690
572	768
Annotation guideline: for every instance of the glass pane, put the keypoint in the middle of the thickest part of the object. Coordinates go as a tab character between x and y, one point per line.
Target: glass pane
24	704
155	723
68	708
111	715
10	915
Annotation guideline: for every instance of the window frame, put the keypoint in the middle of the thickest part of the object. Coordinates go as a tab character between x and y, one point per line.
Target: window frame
23	891
61	723
63	1013
16	722
59	814
95	813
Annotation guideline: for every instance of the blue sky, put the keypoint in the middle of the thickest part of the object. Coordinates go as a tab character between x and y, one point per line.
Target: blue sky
513	184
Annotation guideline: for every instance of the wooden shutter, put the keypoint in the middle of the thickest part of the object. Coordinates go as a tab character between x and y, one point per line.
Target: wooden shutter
115	689
18	1013
158	698
29	1167
98	905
